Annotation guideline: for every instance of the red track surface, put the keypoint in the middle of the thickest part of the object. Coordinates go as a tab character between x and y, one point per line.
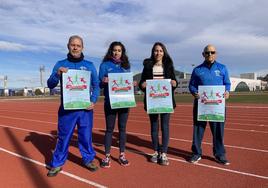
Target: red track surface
27	128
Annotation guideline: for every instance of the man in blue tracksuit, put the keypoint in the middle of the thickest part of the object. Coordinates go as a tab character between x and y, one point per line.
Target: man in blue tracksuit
68	119
210	72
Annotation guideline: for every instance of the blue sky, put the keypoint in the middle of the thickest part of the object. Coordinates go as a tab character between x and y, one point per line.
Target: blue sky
35	33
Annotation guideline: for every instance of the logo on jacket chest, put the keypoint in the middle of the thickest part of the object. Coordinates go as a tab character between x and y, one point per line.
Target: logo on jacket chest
83	68
217	73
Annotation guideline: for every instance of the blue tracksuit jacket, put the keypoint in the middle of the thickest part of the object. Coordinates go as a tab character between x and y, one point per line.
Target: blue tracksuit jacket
217	74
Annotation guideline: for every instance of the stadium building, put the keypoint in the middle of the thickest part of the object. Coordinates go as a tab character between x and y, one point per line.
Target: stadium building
246	82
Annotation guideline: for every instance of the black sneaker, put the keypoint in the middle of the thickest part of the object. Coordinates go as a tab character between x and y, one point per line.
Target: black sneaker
122	160
164	159
195	159
53	171
106	162
222	160
91	166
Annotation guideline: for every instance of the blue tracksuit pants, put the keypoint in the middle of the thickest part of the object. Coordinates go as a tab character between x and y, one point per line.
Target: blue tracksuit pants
67	121
217	130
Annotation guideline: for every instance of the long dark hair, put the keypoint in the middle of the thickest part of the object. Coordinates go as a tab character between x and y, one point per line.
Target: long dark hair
124	58
167	61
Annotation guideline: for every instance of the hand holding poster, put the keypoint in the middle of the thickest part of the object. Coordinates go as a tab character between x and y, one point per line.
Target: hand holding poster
159	96
121	90
211	103
76	89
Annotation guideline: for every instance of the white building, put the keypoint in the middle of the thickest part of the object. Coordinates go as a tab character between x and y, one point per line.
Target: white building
252	76
251	84
237	84
183	85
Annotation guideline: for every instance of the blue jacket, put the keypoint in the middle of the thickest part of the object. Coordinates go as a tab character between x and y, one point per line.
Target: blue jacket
105	68
82	65
217	74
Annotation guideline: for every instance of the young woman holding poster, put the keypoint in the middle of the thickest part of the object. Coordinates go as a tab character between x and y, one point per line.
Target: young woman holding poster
159	66
115	61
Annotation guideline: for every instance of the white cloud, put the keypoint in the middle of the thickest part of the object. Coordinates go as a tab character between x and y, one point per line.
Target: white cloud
11	46
238	42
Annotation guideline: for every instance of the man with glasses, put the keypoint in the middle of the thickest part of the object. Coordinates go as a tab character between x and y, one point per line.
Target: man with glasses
210	72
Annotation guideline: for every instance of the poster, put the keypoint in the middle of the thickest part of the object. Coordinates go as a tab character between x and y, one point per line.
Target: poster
211	103
159	96
76	89
121	90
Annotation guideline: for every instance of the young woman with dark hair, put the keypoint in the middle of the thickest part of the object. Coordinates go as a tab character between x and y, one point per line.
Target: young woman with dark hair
115	61
159	66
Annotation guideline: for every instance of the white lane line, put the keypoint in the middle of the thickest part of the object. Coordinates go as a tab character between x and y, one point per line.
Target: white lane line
223	169
24	119
141	134
249	107
227	129
62	172
232	106
28	99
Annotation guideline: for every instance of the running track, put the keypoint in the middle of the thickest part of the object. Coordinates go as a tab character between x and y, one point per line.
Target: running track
28	129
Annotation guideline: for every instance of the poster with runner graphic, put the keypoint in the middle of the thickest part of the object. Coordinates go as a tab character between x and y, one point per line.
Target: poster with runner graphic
121	90
159	96
76	89
211	103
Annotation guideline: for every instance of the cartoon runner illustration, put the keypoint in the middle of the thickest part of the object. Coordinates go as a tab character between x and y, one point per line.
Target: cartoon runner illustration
70	79
204	95
115	83
218	94
83	80
152	89
165	88
127	82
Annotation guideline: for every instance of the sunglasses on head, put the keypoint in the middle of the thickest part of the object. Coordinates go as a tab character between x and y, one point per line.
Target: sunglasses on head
209	52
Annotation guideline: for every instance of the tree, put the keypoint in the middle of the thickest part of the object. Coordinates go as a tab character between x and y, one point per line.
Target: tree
38	92
265	78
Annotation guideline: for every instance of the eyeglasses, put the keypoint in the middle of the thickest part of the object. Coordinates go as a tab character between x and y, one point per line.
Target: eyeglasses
210	52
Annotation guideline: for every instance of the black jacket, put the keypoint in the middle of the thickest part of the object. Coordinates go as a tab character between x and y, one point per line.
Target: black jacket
147	74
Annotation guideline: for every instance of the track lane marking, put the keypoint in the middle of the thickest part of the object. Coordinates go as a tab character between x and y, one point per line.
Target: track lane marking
62	172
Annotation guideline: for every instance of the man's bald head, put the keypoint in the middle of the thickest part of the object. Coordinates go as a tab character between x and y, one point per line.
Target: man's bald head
209	53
